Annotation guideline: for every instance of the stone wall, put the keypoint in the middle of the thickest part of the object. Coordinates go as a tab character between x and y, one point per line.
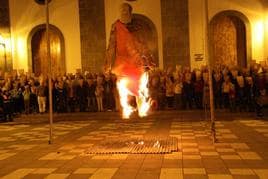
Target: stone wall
175	30
5	32
92	33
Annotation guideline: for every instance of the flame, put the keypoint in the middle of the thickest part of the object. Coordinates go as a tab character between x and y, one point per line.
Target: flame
124	93
143	100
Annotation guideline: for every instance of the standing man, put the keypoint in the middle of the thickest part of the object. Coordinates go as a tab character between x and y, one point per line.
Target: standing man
41	97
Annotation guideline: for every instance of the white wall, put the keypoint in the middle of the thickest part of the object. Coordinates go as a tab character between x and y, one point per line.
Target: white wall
266	34
148	8
26	14
252	9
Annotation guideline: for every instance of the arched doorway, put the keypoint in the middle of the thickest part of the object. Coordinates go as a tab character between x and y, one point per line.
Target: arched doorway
230	39
38	51
146	32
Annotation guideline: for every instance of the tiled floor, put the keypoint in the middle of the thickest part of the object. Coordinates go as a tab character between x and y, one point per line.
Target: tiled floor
241	151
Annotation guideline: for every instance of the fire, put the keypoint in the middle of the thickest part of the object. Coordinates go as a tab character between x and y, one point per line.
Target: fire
124	93
143	101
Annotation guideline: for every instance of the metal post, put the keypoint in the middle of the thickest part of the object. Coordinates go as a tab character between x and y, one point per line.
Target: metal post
49	76
211	97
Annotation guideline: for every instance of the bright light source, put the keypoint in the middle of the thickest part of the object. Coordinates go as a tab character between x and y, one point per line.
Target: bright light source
2	40
258	39
21	50
258	33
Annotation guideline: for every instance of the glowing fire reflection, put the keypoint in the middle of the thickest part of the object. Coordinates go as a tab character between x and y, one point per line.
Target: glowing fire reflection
143	101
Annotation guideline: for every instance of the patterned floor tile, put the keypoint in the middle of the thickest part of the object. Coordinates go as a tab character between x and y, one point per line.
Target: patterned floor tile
189	144
3	151
262	173
66	157
242	171
7	139
168	173
85	170
52	156
118	156
104	173
239	145
192	157
101	157
209	153
43	170
249	155
225	150
189	150
175	155
206	147
20	173
57	176
198	157
218	176
4	156
230	157
201	171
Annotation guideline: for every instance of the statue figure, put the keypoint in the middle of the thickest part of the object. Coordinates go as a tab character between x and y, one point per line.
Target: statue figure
126	55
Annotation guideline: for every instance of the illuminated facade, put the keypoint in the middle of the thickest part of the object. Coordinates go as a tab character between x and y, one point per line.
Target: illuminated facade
179	29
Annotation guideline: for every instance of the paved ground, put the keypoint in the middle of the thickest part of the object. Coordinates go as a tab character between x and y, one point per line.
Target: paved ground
241	151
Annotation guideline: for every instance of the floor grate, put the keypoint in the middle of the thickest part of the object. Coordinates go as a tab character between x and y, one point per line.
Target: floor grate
135	146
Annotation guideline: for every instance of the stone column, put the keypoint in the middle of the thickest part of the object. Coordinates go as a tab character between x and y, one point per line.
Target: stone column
175	30
92	32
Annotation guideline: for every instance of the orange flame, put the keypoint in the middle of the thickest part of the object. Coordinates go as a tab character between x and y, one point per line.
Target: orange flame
143	100
124	93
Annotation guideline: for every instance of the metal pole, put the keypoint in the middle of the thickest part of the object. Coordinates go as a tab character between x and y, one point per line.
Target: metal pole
211	97
49	76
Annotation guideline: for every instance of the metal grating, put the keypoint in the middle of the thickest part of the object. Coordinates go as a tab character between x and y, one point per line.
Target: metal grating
135	146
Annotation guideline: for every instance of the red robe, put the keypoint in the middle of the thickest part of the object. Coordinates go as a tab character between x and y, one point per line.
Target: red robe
128	60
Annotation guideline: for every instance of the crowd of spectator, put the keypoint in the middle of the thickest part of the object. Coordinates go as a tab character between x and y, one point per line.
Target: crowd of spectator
234	89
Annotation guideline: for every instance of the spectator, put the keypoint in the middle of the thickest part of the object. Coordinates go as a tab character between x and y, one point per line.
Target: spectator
81	94
41	97
99	93
108	93
169	93
91	94
26	97
178	93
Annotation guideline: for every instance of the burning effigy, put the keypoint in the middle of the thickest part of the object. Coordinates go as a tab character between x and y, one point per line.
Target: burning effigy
128	57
